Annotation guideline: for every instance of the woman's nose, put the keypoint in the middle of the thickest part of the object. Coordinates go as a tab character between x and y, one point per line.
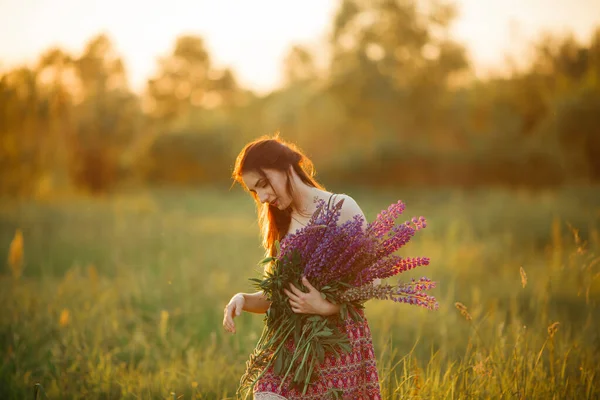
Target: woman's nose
263	198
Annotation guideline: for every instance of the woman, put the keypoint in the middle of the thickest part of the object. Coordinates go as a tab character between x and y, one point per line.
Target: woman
280	178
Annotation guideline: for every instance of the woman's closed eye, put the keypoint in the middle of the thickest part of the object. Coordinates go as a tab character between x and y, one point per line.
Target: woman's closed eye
260	184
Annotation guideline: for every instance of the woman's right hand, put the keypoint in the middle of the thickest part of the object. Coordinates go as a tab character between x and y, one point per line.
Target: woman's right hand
233	309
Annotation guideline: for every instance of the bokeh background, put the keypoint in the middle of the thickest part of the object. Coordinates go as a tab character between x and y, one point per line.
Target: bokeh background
122	237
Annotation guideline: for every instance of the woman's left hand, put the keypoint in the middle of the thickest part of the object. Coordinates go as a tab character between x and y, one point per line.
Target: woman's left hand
309	303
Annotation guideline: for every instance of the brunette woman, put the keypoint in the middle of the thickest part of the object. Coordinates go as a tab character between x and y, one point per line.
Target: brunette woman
280	178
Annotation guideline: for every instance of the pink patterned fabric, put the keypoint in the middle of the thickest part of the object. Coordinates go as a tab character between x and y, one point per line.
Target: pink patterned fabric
354	373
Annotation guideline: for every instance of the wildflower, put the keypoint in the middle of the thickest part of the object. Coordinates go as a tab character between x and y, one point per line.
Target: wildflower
15	254
523	277
482	369
164	323
552	328
342	262
463	310
93	275
65	318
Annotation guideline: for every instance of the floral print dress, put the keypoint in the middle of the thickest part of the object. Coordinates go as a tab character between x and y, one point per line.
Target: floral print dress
353	376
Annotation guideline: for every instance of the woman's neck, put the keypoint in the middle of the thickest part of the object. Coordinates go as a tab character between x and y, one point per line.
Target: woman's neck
306	199
305	196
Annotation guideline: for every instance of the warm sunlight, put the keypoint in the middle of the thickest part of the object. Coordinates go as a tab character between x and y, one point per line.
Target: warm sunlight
492	29
253	37
391	199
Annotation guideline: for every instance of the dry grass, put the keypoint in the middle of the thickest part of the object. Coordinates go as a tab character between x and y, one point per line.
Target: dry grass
122	297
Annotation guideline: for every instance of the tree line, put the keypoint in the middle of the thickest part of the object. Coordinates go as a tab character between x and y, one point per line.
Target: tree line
397	104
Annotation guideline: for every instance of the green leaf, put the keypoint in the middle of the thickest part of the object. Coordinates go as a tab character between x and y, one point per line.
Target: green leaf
344	311
346	347
299	377
266	260
320	353
297	330
278	367
308	375
300	373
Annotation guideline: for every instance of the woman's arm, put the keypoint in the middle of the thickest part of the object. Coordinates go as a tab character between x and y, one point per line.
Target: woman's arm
251	302
256	302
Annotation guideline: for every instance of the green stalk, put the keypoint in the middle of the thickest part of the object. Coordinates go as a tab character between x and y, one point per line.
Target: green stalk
310	369
289	331
303	361
296	352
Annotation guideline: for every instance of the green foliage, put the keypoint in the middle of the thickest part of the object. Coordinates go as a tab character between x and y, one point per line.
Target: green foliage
123	297
577	124
187	157
398	100
313	335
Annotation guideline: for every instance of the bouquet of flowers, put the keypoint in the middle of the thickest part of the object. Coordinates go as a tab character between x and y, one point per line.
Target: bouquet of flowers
342	262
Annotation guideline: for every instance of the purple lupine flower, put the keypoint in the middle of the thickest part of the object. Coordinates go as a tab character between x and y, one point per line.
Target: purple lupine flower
412	293
348	258
385	220
357	254
325	218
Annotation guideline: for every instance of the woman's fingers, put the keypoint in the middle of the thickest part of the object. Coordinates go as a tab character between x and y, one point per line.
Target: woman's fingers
291	295
233	309
307	284
296	291
228	323
297	308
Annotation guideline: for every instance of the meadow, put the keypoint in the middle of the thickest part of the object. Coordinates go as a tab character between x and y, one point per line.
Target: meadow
122	296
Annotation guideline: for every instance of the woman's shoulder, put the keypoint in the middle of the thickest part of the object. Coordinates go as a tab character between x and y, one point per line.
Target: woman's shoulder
348	201
350	207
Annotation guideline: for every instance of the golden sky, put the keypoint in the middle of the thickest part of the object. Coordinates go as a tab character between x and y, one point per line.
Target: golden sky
253	36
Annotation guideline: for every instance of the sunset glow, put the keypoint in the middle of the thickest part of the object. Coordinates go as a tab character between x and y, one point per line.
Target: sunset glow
253	37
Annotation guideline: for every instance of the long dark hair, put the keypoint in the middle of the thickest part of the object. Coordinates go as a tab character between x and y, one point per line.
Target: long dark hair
274	153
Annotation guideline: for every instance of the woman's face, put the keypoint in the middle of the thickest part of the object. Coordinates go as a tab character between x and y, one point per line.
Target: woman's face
270	188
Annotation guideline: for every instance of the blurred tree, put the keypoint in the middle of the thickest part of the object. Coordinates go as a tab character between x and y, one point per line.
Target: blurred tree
576	121
392	64
181	82
187	99
57	82
396	100
187	83
21	125
108	117
393	72
299	66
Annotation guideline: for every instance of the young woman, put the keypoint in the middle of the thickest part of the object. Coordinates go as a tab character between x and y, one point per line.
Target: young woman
280	179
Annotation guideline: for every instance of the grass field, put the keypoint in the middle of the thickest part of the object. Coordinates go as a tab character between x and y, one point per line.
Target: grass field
122	297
